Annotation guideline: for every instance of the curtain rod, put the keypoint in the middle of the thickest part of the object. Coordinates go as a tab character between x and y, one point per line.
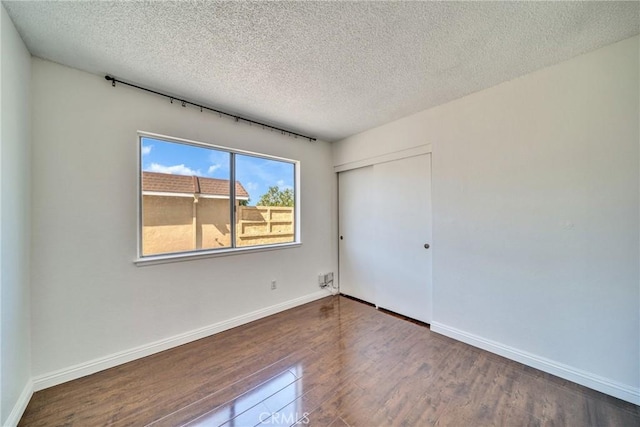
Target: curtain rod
184	103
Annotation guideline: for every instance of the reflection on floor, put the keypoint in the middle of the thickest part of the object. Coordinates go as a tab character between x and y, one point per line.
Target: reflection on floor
331	362
261	404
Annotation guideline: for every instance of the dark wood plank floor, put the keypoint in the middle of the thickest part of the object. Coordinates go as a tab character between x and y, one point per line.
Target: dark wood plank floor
333	362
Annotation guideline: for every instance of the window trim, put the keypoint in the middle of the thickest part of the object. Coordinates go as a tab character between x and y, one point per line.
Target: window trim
141	260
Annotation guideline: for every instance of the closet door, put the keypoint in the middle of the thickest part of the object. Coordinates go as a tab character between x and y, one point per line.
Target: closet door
356	251
385	235
402	204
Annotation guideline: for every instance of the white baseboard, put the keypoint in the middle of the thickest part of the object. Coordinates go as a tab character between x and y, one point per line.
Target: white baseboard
587	379
18	409
96	365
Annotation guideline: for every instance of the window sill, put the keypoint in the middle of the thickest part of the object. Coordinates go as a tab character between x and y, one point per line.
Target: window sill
189	256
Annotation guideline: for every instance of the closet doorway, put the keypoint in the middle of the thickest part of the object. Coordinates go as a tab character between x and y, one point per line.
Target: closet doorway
385	235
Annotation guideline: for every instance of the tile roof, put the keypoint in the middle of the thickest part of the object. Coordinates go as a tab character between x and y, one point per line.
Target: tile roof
168	183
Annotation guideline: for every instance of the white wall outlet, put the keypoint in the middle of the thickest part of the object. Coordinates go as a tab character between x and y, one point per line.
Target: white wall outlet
330	276
321	280
274	285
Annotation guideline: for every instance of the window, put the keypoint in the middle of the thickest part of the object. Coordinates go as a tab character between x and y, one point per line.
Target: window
198	199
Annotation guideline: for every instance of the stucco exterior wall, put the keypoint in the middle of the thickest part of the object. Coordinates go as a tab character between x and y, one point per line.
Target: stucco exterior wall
212	225
168	224
180	224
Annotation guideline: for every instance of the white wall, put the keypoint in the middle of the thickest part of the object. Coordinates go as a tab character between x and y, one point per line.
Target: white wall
536	216
15	142
90	302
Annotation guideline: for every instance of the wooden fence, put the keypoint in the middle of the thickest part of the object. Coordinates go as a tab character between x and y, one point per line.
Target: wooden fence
263	225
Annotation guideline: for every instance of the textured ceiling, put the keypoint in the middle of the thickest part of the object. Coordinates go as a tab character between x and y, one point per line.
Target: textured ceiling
328	69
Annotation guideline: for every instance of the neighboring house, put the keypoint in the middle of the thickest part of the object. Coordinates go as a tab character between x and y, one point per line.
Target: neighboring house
183	213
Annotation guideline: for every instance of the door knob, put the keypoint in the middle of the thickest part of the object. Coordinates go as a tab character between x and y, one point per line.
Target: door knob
426	246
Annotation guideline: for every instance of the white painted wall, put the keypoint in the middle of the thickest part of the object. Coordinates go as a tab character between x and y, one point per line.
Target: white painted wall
15	142
90	301
536	215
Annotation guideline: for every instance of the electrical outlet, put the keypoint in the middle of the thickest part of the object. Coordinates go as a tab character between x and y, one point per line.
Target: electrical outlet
274	285
321	279
330	276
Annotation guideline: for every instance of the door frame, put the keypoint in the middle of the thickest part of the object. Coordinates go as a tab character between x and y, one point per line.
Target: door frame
383	158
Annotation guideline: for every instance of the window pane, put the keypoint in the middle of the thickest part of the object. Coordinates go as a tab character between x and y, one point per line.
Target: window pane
185	197
266	196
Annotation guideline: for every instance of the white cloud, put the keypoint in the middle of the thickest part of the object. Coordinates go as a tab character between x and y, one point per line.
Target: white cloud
146	149
251	186
212	169
283	186
174	170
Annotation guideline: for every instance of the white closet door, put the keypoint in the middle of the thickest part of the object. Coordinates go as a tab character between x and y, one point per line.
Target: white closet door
385	223
402	203
356	250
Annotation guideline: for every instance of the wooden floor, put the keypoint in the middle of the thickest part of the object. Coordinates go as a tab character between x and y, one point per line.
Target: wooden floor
332	362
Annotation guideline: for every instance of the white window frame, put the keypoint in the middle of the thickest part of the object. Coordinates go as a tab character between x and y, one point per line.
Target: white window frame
209	253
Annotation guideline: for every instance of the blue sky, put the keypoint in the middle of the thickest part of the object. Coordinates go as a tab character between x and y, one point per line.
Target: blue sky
255	173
